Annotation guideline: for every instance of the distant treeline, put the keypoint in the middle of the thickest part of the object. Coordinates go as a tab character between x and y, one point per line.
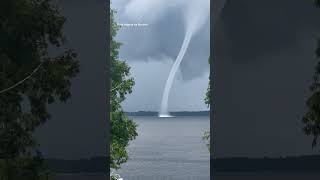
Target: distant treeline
287	164
178	113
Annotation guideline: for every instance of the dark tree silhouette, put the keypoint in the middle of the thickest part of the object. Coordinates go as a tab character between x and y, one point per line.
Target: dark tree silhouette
311	118
27	29
208	93
206	135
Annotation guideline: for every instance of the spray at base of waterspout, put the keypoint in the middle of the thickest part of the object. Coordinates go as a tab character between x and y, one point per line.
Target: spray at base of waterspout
165	115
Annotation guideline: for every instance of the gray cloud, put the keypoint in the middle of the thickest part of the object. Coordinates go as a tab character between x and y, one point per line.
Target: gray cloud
150	78
164	37
253	29
265	61
151	50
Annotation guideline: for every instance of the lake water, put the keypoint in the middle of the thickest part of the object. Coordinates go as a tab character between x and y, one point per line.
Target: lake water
219	176
267	176
168	148
172	149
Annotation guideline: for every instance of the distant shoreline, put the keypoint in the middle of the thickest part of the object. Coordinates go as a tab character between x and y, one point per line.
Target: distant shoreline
176	113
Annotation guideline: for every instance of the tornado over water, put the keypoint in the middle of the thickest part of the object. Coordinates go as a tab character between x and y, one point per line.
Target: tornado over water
165	97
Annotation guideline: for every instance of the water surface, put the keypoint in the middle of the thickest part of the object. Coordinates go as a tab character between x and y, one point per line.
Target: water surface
168	148
267	176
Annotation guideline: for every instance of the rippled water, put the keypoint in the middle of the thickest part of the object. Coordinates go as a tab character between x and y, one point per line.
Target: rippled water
168	148
172	149
267	176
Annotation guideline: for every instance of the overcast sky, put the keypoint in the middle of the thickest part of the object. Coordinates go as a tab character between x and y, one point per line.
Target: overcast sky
265	62
151	50
264	66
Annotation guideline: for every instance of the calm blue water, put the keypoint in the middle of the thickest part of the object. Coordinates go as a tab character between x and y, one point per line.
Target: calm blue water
168	148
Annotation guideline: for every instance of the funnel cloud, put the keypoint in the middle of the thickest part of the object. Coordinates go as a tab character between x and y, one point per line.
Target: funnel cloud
195	15
160	43
164	104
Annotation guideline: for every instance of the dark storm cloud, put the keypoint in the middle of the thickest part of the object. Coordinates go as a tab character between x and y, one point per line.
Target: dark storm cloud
78	128
151	50
164	37
148	89
265	61
253	29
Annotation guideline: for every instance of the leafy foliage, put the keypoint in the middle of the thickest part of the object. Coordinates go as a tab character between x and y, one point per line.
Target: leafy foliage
206	138
311	118
26	168
208	93
123	130
206	135
27	29
317	3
